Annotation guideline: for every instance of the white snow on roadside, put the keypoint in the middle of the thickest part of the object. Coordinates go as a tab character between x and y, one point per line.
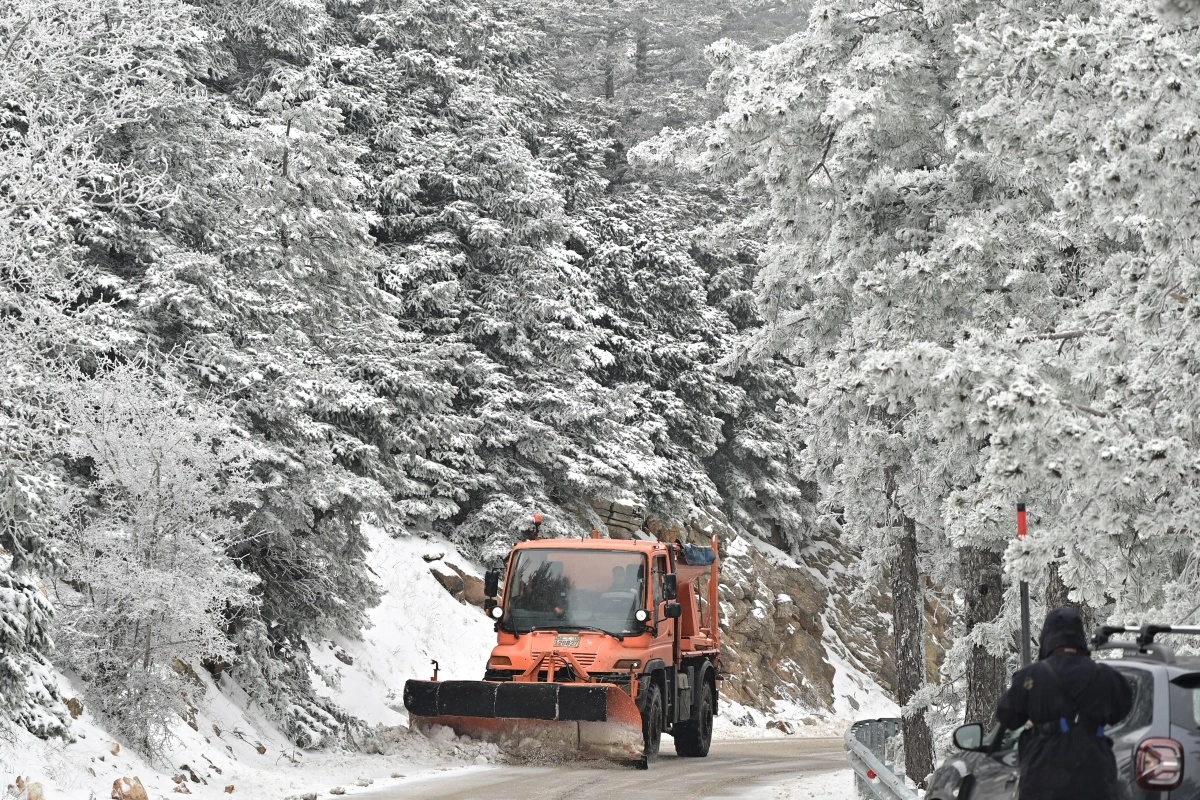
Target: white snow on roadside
223	751
416	622
836	785
855	694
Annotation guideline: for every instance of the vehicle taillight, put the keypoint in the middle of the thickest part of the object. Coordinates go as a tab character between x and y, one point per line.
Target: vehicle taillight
1159	765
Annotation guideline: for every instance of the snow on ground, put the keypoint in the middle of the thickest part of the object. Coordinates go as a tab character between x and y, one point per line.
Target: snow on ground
837	785
737	721
232	744
769	551
230	747
417	622
855	694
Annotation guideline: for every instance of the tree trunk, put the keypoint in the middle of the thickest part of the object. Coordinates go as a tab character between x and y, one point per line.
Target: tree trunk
982	577
149	642
908	622
910	659
1056	589
1057	594
610	82
641	53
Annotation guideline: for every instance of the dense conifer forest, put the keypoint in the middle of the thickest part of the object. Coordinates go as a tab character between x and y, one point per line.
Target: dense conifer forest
275	270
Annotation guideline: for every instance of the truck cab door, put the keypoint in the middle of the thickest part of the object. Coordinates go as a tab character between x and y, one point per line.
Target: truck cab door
664	643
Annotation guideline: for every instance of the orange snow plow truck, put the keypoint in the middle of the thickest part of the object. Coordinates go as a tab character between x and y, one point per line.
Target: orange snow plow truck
602	646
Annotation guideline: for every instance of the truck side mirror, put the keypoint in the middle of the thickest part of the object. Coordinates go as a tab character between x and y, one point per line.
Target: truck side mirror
491	583
670	586
673	611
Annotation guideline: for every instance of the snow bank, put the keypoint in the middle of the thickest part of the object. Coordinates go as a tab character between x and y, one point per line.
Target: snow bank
233	744
416	623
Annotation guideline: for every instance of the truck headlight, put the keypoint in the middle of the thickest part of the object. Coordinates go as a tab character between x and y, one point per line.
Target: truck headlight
641	615
497	612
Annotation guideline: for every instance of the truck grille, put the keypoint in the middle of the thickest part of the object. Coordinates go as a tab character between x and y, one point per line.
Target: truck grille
585	659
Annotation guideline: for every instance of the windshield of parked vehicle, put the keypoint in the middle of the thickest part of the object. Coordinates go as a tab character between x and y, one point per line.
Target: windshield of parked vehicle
568	590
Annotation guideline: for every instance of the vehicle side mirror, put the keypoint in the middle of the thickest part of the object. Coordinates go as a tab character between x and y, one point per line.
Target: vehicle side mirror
969	737
670	586
673	611
491	583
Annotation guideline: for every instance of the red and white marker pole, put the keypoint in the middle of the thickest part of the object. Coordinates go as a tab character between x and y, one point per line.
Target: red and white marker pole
1026	633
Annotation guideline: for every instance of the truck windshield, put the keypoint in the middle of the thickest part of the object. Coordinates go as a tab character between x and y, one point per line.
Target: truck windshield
576	589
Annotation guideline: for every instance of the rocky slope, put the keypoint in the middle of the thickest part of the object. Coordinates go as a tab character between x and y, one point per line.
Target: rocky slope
796	645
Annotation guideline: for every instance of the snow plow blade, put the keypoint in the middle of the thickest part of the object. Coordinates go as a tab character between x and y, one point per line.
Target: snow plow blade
573	720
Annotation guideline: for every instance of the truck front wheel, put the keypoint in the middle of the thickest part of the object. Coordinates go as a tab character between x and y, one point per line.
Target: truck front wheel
652	722
694	737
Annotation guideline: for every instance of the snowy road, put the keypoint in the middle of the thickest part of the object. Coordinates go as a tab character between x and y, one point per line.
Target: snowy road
745	768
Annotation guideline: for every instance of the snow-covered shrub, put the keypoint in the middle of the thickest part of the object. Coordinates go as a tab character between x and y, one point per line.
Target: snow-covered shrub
161	484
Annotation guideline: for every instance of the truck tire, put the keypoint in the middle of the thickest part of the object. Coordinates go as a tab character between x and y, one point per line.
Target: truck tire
693	738
652	722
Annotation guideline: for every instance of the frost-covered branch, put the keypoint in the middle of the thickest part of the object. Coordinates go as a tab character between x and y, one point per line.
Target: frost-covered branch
1059	335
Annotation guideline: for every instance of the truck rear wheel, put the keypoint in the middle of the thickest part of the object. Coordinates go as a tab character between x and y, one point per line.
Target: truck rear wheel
652	721
694	737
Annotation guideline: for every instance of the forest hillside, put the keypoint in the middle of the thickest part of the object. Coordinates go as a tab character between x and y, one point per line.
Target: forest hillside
844	279
276	270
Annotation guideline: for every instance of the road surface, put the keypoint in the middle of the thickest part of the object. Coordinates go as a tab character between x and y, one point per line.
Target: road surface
746	768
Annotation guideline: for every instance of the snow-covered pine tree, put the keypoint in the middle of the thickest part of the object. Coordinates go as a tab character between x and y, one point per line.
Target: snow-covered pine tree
661	341
1100	118
1005	282
835	126
29	487
890	245
75	73
222	227
264	277
471	203
672	295
645	60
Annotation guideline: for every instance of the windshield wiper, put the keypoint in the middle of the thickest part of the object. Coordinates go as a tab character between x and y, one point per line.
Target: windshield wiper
582	628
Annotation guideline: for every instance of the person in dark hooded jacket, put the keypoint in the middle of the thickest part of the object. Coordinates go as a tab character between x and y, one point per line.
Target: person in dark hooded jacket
1063	701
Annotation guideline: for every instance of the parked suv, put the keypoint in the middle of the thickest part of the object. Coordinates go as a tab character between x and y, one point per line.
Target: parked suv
1157	746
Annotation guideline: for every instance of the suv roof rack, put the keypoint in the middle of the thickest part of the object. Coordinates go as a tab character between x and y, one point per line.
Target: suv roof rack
1144	644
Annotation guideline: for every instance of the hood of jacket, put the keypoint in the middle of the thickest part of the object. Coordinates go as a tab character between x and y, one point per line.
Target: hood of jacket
1063	628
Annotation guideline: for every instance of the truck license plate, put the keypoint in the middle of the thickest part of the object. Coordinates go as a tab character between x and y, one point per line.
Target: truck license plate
566	641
